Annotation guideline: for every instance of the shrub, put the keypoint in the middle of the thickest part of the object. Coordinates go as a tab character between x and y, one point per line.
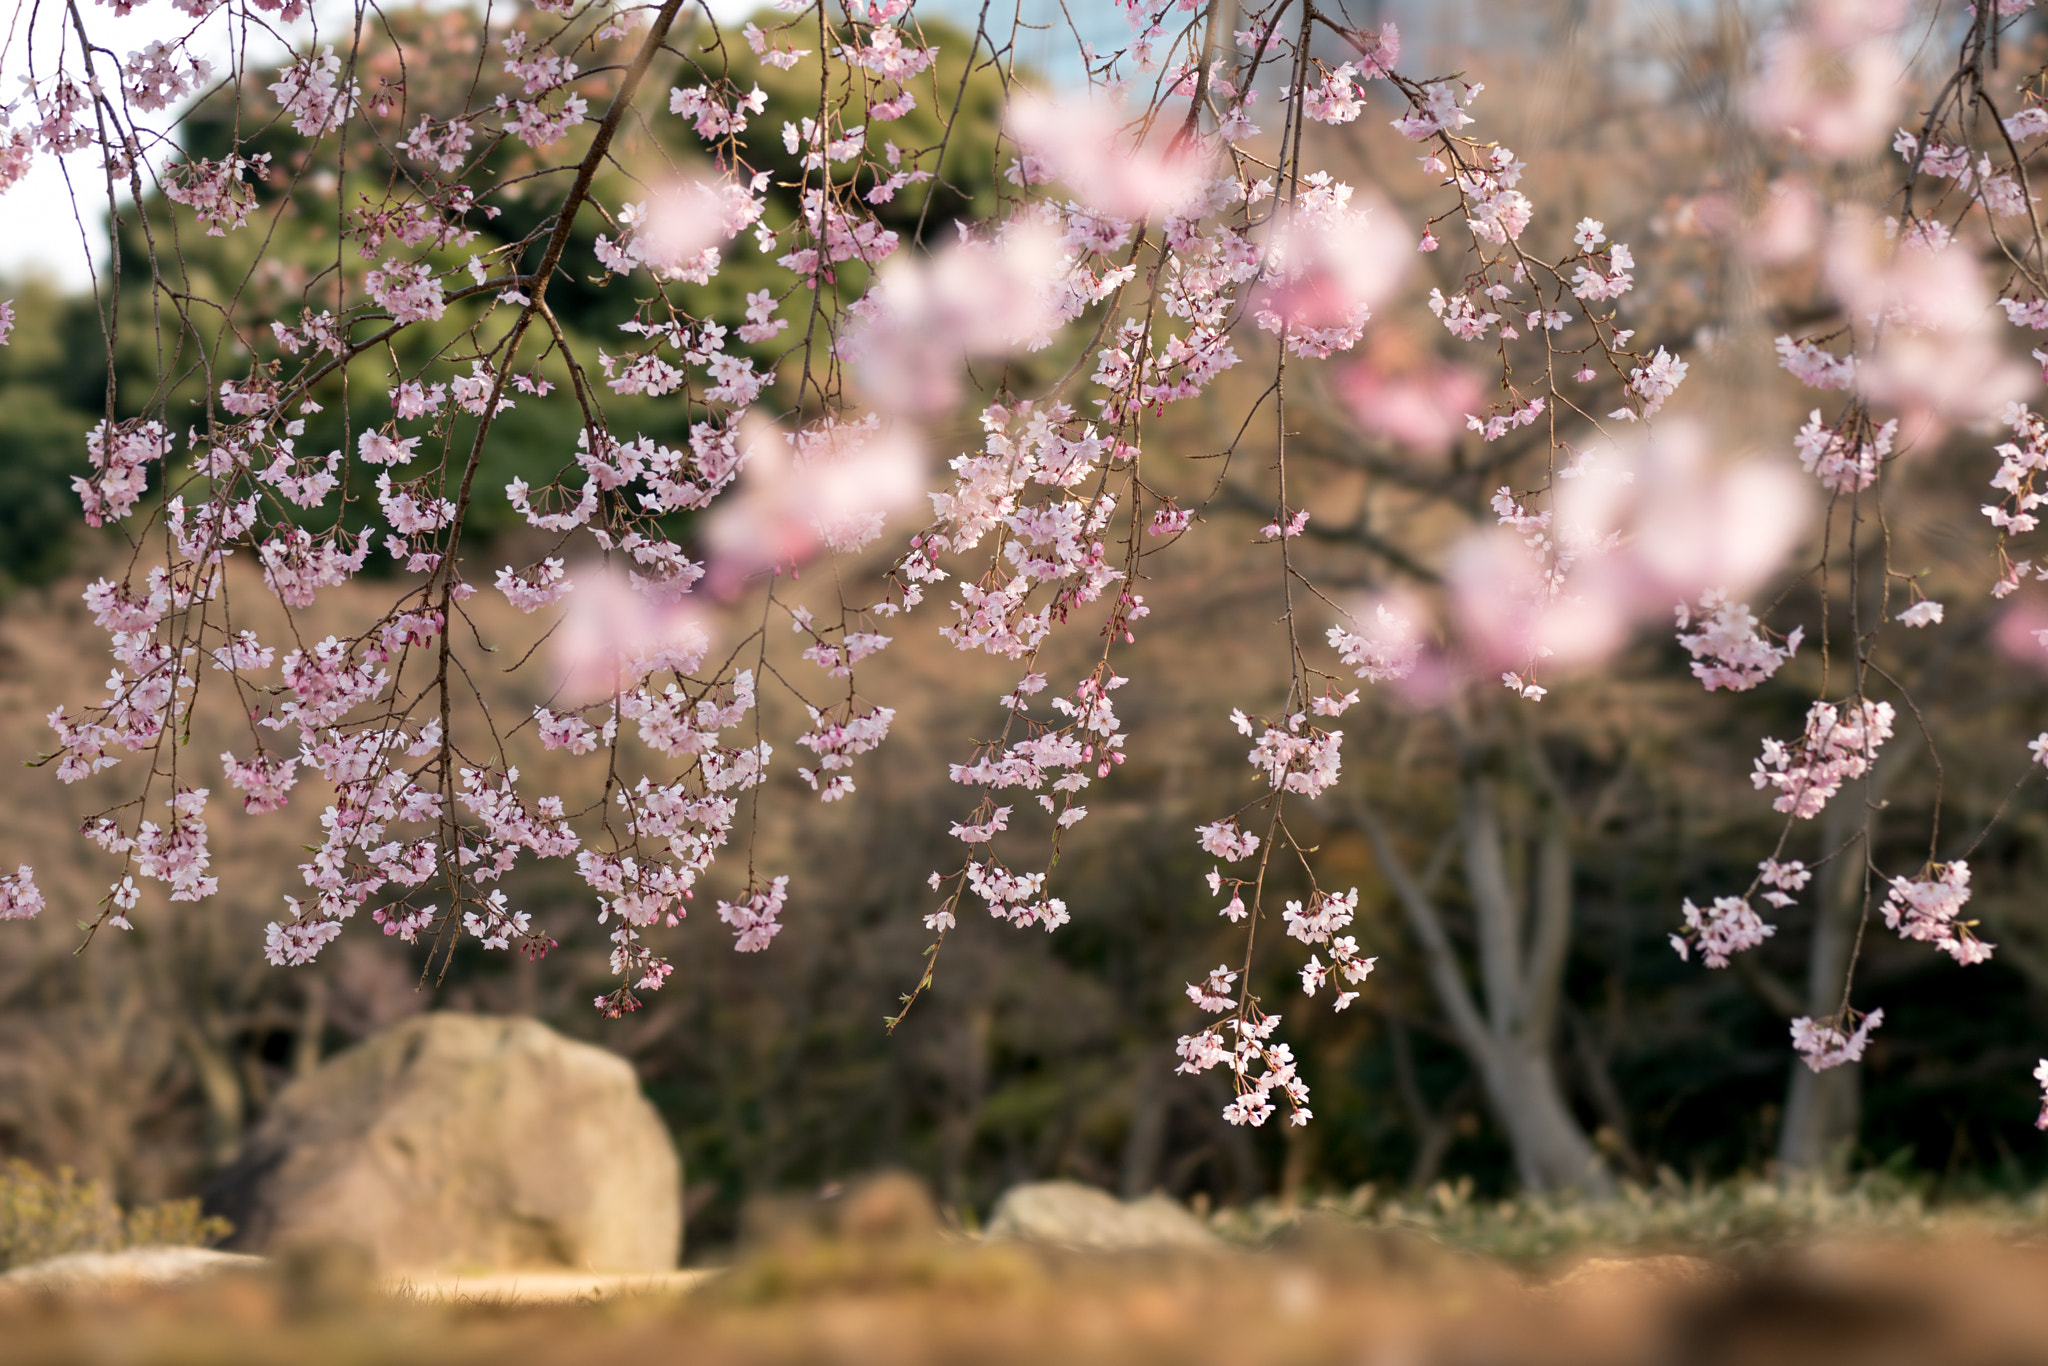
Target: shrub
44	1216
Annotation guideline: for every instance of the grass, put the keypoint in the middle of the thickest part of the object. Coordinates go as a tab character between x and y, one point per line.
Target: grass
1874	1272
1730	1220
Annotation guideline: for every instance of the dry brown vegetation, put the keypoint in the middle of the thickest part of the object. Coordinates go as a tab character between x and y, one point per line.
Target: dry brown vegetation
1329	1294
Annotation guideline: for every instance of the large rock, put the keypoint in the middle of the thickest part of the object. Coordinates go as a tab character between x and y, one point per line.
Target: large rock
462	1143
1068	1214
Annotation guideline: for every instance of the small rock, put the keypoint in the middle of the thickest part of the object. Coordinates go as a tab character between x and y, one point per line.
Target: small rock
1068	1214
462	1143
888	1207
138	1266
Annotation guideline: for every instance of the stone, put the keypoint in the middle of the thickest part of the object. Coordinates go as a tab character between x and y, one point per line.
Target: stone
136	1266
1068	1214
887	1207
462	1143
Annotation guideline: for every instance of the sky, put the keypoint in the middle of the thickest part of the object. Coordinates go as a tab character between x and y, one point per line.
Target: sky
41	232
40	229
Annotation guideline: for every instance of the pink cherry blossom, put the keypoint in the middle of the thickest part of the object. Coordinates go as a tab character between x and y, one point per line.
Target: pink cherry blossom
613	634
20	899
1832	80
925	316
1837	745
1089	147
831	487
1927	908
755	918
1421	408
1727	650
1822	1045
1327	265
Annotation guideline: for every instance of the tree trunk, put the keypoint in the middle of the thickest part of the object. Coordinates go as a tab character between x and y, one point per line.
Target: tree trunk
1551	1151
220	1090
963	1119
1522	943
1823	1110
1145	1140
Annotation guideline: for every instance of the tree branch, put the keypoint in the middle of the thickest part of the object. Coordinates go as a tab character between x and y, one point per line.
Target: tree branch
1445	973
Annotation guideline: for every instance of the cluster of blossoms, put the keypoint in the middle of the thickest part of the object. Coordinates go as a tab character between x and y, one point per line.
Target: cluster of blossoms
1721	930
1319	925
121	457
410	292
1815	366
1225	841
1260	1065
754	919
314	94
217	192
1387	650
20	899
1835	747
2019	461
1292	759
1840	464
1823	1045
1730	925
1727	649
1995	189
1926	909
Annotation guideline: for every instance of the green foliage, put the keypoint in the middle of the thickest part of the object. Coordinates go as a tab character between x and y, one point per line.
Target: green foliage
52	379
44	1216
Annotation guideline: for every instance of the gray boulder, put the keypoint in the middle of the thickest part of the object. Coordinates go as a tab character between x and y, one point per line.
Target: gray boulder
1068	1214
462	1143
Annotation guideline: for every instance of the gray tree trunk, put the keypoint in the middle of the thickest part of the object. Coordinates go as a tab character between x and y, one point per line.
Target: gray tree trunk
1522	940
1145	1140
1823	1110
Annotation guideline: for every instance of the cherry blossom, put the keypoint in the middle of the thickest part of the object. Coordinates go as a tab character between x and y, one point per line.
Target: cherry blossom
1926	909
1840	464
216	191
1226	841
1836	746
1831	79
754	919
1422	409
1822	1045
20	899
1214	994
313	92
971	299
1726	927
1089	147
613	634
1387	651
1727	650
